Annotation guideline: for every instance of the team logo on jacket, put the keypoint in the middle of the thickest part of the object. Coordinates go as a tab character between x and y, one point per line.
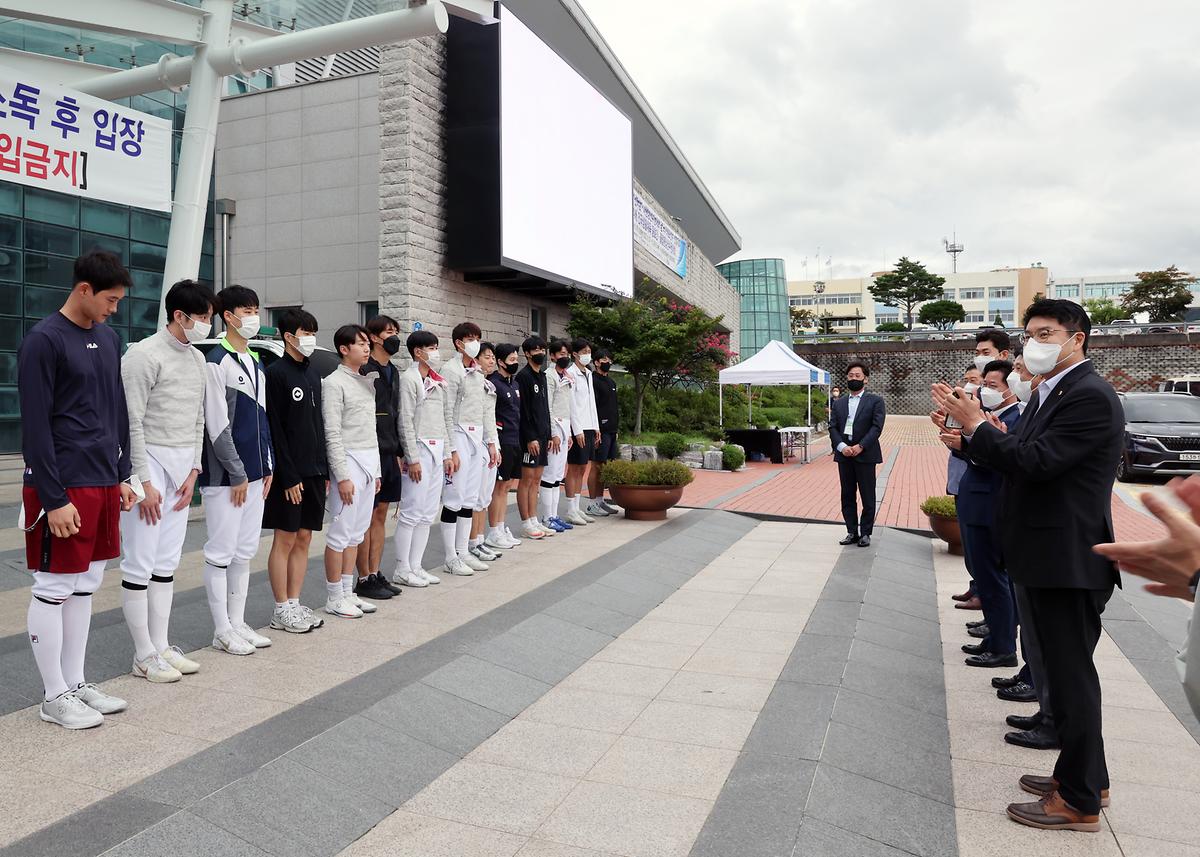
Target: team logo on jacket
535	389
297	394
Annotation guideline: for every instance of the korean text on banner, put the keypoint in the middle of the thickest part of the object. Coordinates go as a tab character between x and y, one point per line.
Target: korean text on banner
653	233
58	139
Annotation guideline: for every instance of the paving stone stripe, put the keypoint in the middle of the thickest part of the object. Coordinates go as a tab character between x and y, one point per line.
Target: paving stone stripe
304	770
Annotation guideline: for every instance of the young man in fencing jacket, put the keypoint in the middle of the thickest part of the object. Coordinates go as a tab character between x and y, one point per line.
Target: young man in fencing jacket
585	428
558	395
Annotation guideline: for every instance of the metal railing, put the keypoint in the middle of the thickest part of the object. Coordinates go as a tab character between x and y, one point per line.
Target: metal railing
1188	329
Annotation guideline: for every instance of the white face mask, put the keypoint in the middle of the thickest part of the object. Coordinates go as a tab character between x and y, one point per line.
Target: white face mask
432	358
198	331
248	326
971	388
989	398
1023	390
1043	357
471	348
306	345
585	359
982	360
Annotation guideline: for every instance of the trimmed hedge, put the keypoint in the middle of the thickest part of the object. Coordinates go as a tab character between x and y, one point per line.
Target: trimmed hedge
942	506
671	473
732	457
671	445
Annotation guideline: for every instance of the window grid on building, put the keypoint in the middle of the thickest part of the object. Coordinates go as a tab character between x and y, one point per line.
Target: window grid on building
762	283
971	294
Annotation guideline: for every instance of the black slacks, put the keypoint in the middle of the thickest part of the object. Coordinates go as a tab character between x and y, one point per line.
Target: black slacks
1067	623
857	477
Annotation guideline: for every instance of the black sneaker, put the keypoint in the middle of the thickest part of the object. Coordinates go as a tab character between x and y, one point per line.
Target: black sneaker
372	587
393	588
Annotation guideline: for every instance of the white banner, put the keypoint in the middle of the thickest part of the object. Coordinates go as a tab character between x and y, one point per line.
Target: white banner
58	139
653	233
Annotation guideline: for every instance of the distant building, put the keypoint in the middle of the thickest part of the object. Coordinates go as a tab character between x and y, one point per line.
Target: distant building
763	285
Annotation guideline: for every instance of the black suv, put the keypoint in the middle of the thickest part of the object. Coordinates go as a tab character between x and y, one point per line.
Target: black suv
1162	435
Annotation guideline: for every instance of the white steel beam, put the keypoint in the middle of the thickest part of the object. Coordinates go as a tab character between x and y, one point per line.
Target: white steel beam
157	20
169	72
58	69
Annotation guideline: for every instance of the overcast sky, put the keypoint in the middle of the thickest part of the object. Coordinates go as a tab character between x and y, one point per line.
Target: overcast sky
1062	132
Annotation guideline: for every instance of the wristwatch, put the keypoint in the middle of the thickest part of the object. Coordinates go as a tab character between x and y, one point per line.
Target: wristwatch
1195	582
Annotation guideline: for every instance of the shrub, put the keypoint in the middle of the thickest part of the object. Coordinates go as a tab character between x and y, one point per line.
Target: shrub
943	507
732	456
671	473
891	327
671	445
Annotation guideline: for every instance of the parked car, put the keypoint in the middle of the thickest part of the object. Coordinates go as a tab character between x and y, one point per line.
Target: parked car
270	350
1162	435
1187	384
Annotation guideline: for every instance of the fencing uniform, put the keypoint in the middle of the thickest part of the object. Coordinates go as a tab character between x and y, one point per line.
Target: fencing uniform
352	448
558	393
488	473
474	438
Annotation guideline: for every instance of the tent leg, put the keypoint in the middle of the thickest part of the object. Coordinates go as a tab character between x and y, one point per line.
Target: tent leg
810	404
749	407
720	406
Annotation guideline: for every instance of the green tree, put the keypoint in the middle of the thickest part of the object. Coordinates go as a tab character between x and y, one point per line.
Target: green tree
659	342
802	318
998	321
942	314
906	286
1163	294
825	322
890	327
1104	311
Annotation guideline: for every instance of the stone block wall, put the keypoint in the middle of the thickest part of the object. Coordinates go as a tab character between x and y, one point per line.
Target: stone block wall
902	372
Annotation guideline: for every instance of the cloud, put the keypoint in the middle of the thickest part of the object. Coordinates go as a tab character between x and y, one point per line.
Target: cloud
1061	133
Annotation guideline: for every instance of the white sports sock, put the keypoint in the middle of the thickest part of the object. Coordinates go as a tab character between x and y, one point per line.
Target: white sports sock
333	590
135	605
448	531
76	623
462	534
159	597
573	503
46	638
496	532
475	542
218	598
403	542
238	583
420	538
545	505
280	606
347	583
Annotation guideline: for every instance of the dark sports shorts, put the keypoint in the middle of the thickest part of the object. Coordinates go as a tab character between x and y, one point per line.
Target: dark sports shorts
390	480
510	463
308	514
99	535
538	460
583	454
608	449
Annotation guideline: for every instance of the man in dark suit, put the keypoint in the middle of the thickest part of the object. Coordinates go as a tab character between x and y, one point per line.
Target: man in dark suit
855	423
1055	503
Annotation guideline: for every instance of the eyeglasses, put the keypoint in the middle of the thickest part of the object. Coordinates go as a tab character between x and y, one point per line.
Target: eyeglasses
1043	335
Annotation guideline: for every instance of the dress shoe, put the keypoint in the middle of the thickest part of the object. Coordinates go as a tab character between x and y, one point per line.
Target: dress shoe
1023	723
972	603
974	648
864	542
1020	692
1035	739
963	597
976	623
1042	786
999	682
979	632
992	660
851	539
1053	813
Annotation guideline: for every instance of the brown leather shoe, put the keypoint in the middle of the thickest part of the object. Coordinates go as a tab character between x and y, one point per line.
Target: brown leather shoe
962	597
1042	786
972	603
1053	813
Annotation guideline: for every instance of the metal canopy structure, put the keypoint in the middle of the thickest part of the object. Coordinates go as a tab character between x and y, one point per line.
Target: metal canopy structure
222	46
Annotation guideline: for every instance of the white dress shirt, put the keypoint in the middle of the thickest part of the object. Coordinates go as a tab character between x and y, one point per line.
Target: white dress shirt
852	402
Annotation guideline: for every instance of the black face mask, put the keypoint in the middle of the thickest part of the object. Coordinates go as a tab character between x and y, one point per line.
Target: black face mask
391	345
510	368
855	384
562	362
603	367
536	359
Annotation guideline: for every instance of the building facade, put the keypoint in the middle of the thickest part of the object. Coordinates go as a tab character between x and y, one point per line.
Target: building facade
763	287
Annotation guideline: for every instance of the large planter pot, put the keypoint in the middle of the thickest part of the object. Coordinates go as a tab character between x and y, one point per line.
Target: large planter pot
646	502
947	530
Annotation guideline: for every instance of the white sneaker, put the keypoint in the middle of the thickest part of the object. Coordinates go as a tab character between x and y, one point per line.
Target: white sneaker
515	541
251	636
429	578
458	567
576	518
364	606
473	562
155	668
176	658
597	510
481	553
291	620
70	712
498	542
409	578
311	617
228	641
547	530
342	606
532	531
93	697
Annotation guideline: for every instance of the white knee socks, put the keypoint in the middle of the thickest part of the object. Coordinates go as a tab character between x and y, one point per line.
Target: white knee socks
420	538
136	607
403	541
546	506
462	534
238	581
76	623
215	584
46	638
449	531
158	598
347	584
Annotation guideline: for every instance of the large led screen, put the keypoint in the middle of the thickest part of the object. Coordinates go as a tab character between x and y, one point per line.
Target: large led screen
566	169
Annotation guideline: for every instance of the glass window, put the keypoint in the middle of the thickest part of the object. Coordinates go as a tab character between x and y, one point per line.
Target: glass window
51	207
95	241
140	333
10	403
10	198
142	313
971	294
10	434
40	302
146	284
367	310
51	239
8	368
947	294
10	266
11	331
10	232
49	270
11	298
147	256
1002	292
109	219
149	227
206	268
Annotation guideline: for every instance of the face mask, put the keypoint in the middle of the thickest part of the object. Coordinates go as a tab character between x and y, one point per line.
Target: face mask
248	326
562	362
198	331
989	398
602	367
982	360
536	359
1043	357
970	388
856	384
511	368
306	345
585	359
391	345
1023	390
471	348
433	358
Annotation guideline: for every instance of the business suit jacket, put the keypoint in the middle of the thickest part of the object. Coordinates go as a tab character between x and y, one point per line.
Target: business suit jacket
1056	498
980	486
868	424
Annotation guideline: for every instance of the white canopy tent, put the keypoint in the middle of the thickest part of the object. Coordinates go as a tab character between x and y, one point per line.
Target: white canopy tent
776	365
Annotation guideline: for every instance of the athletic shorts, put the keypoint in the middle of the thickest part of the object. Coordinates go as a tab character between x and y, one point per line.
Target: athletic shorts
538	460
608	449
309	514
99	536
583	454
390	480
510	463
